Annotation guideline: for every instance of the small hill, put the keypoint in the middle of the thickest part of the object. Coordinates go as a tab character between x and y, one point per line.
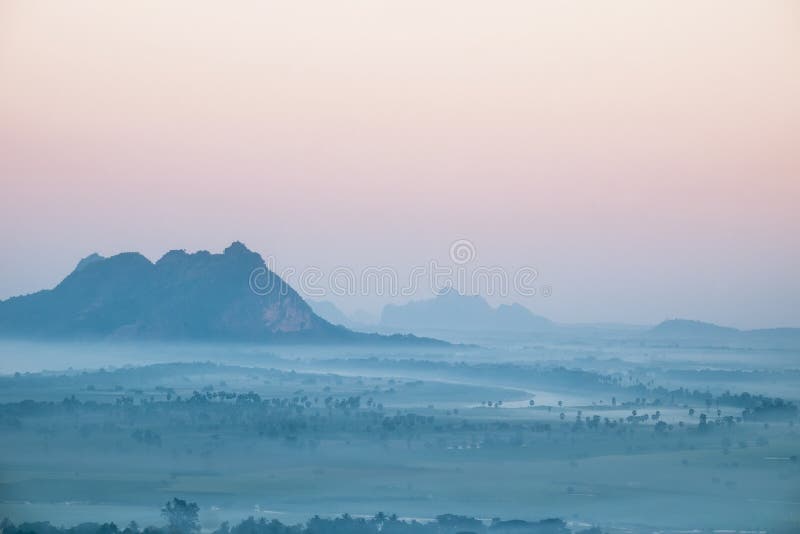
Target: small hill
697	333
689	328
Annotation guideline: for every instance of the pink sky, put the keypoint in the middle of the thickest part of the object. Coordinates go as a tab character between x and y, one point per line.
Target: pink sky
643	156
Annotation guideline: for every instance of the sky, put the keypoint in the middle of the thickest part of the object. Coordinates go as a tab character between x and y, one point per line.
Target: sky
641	156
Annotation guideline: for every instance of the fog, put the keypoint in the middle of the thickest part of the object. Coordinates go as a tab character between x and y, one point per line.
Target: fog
592	429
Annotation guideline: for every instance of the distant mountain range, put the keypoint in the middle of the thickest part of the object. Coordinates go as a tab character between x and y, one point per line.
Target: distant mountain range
451	310
181	296
204	296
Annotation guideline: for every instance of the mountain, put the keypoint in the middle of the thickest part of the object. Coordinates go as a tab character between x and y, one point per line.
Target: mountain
228	296
359	320
330	312
451	310
686	332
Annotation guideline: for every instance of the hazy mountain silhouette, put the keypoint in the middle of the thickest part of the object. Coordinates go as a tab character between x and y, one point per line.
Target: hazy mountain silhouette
330	312
689	332
689	328
181	296
451	310
358	320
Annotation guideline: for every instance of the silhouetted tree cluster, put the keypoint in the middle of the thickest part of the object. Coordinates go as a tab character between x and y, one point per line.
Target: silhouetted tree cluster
182	517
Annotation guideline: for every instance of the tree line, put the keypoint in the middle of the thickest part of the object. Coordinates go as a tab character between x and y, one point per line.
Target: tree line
182	517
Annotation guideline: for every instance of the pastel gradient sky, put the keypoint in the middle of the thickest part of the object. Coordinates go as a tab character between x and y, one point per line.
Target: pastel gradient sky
643	156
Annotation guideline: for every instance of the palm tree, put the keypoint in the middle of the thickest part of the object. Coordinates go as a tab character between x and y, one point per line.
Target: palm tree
181	516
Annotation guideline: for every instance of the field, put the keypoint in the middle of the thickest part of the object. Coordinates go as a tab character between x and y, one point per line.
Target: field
601	436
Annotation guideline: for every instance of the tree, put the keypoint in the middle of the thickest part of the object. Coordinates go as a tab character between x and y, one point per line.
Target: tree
380	518
703	424
181	516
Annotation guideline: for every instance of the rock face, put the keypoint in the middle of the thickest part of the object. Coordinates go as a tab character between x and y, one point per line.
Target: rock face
181	296
451	310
